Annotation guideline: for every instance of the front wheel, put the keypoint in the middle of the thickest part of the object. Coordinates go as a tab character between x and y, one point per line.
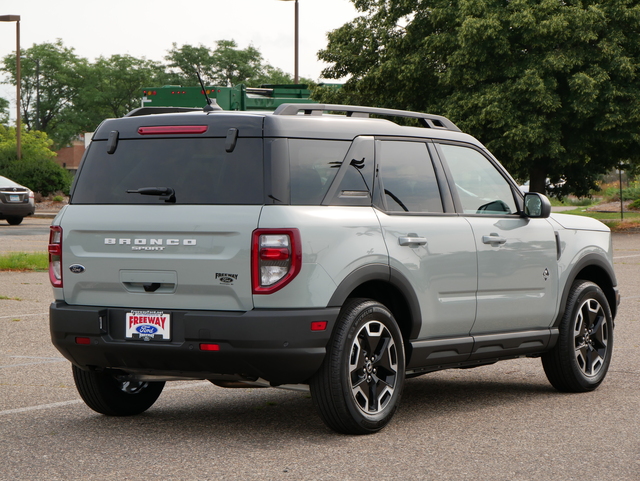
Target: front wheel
581	357
358	387
106	394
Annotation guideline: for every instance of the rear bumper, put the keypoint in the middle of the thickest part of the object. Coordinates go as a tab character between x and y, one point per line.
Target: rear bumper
16	210
276	345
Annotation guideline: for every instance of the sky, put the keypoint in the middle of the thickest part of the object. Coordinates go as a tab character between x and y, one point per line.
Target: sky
148	28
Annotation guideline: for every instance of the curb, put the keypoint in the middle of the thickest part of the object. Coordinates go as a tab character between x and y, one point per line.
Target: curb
45	214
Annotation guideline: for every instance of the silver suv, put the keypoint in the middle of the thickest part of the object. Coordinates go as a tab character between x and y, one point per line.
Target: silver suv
303	248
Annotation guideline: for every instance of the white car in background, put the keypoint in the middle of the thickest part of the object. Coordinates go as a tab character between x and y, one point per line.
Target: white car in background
16	201
549	187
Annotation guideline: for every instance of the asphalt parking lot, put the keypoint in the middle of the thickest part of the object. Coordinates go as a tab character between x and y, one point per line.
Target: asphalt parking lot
500	422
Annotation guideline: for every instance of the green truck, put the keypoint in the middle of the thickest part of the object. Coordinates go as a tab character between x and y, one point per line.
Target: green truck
265	98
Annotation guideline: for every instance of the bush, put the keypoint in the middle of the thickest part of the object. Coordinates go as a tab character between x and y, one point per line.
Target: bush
635	205
611	192
40	175
36	169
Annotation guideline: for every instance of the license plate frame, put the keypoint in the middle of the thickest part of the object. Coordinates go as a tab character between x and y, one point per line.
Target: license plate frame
147	325
14	198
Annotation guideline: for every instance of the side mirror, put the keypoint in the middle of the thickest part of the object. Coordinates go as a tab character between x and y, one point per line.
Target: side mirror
536	205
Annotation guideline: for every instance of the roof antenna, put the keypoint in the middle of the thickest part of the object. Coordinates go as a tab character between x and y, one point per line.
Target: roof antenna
212	105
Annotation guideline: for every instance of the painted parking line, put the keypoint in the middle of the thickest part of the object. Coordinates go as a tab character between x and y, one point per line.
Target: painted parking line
41	407
40	360
24	315
30	363
625	257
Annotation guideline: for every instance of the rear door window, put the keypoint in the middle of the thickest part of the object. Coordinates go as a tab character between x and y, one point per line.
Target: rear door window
200	171
408	178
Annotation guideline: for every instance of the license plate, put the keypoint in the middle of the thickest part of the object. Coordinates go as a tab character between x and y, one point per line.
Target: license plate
14	198
148	325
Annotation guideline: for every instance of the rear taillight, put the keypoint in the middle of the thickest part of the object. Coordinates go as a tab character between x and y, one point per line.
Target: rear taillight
276	259
55	256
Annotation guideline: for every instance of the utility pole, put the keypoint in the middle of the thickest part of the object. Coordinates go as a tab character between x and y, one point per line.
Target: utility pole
16	18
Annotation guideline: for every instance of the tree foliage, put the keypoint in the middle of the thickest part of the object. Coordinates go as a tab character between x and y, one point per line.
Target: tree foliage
226	65
551	87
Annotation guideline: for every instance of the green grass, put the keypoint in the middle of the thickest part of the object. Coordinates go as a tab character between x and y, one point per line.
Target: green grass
582	202
24	261
5	298
604	215
631	222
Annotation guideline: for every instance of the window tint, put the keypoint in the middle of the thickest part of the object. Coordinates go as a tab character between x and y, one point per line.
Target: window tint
313	165
408	177
200	171
480	186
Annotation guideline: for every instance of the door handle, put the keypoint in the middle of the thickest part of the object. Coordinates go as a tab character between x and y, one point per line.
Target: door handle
412	240
493	239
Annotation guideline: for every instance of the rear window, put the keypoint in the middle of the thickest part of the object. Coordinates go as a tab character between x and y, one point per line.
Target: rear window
200	171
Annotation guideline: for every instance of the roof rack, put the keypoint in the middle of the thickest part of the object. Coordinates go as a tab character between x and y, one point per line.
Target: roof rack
160	110
427	120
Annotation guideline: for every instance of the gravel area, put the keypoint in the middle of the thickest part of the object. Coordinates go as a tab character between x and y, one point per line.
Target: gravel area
612	207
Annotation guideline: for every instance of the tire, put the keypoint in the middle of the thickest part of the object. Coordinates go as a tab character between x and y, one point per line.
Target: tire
353	391
105	394
13	220
580	359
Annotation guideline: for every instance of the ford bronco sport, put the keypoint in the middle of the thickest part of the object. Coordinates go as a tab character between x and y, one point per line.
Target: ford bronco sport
306	247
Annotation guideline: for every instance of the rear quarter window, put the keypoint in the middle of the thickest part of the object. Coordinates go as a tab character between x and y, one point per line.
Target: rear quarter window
200	171
313	166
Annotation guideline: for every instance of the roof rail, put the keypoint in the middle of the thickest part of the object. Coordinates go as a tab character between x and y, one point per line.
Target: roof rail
160	110
427	120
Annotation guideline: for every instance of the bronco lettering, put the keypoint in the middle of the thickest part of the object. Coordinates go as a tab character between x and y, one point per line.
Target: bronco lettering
153	242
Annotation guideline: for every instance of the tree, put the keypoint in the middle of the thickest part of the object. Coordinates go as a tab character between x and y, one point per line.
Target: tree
50	85
275	76
182	62
64	95
551	87
225	65
4	111
111	87
233	66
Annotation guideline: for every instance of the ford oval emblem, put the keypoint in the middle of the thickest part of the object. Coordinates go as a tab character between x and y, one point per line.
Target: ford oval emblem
77	268
147	329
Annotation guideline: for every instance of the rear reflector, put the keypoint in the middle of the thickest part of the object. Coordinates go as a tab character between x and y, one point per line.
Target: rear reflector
83	340
318	325
173	129
209	347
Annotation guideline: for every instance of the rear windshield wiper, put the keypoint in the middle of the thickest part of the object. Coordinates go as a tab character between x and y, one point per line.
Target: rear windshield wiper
166	193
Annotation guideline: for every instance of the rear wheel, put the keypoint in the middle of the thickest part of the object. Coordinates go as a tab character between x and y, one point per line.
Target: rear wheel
580	360
358	387
106	394
14	220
